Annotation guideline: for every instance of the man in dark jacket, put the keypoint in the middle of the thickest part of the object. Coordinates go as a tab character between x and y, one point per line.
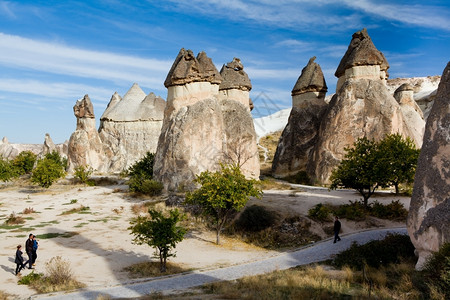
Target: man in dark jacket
29	250
337	229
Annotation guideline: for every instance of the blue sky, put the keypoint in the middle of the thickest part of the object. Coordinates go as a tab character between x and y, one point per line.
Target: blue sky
54	52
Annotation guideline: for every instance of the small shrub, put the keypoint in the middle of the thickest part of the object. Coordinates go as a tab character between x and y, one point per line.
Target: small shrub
393	211
57	158
81	209
82	173
73	201
13	219
354	211
30	278
58	271
7	170
28	210
436	270
391	249
320	212
153	269
143	167
300	178
47	171
256	218
145	186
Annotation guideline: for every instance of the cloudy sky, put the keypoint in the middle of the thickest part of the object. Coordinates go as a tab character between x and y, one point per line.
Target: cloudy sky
54	52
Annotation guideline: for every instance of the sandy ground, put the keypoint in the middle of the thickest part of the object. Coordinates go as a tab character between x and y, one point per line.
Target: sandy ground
102	247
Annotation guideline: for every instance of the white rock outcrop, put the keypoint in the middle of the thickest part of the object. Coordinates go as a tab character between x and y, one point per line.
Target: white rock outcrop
130	127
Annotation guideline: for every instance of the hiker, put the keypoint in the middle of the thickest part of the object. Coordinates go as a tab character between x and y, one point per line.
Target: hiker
34	252
29	250
337	228
19	260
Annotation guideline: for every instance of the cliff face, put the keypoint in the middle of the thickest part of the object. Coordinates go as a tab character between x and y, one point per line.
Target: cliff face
429	214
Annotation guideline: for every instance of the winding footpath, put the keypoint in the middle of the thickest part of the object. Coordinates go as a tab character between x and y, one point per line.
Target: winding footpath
317	252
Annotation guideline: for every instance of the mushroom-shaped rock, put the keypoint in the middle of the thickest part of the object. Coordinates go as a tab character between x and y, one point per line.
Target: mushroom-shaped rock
234	76
185	69
361	52
310	80
209	70
84	108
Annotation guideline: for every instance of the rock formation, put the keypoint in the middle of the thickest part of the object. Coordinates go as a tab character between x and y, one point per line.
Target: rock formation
11	150
412	114
361	107
297	141
235	85
85	147
130	127
429	213
199	130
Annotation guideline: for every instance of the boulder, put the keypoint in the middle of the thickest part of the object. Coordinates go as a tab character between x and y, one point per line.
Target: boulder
429	213
85	147
130	127
300	135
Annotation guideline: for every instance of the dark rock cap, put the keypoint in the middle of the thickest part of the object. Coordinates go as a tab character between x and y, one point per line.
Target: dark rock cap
234	76
361	52
310	80
84	108
187	68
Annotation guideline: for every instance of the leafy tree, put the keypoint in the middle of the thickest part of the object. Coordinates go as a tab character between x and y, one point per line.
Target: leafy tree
141	177
223	193
360	169
57	158
82	173
143	167
7	171
24	162
398	159
160	232
47	171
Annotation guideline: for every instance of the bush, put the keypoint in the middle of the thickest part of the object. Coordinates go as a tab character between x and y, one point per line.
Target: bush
143	167
56	157
7	170
24	162
82	173
13	219
320	212
299	178
436	270
392	249
47	171
354	211
30	278
145	186
256	218
393	211
58	271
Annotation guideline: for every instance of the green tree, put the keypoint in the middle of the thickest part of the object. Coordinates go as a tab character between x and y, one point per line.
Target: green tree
143	167
82	173
223	193
24	162
360	169
57	158
47	171
160	232
141	177
398	159
7	170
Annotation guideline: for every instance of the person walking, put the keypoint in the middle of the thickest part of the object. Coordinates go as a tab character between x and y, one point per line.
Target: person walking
19	260
34	252
29	250
337	229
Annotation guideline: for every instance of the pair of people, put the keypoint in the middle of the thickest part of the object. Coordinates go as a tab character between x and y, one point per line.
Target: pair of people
31	246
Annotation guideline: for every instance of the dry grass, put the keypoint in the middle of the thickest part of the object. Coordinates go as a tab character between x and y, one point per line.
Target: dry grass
81	209
118	211
269	183
14	219
28	210
152	269
270	142
5	296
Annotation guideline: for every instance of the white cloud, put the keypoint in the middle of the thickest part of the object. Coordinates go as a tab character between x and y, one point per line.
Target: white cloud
54	58
280	74
418	15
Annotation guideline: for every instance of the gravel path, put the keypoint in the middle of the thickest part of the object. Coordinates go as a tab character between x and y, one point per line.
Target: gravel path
317	252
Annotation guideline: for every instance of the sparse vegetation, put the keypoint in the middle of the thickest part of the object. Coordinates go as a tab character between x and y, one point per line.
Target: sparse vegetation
160	232
320	212
52	235
256	218
153	269
222	194
270	183
58	277
300	178
28	210
141	177
436	271
14	219
81	209
47	171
